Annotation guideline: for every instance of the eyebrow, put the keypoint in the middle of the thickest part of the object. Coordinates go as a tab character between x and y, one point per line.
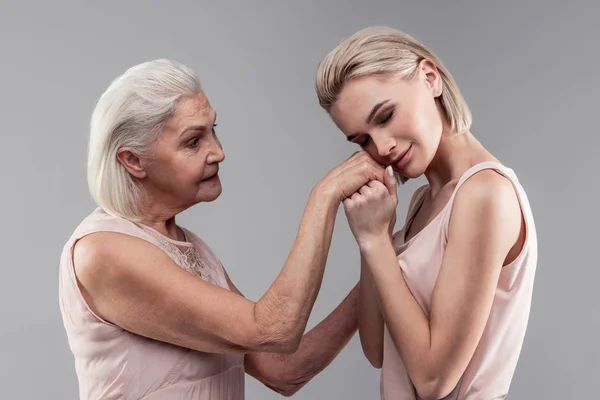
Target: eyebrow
193	128
374	110
200	128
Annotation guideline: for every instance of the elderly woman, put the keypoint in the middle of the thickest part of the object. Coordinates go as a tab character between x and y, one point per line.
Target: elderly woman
148	309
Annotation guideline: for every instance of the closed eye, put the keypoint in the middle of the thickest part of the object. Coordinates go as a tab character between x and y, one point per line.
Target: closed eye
364	142
385	116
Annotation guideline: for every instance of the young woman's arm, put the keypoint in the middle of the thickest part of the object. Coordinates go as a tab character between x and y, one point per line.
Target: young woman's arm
370	320
485	224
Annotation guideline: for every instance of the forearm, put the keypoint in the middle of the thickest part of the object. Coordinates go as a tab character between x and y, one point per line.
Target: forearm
408	325
287	373
319	347
370	320
284	310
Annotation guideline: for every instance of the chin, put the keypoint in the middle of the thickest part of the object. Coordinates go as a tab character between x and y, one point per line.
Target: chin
412	172
208	191
211	199
211	195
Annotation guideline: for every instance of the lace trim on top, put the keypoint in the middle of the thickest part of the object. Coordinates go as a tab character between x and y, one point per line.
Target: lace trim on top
187	257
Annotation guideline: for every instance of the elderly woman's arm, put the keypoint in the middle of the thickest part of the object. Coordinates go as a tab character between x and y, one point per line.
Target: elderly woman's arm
288	373
131	283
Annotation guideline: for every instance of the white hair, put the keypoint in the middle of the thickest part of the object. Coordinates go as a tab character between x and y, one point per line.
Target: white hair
132	113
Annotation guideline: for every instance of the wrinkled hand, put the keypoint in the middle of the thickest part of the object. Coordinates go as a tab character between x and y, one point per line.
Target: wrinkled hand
349	176
371	211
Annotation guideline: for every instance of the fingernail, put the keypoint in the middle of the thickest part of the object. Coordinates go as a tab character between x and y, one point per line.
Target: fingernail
389	170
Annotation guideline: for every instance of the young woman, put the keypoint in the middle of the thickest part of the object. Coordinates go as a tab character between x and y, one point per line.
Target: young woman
444	302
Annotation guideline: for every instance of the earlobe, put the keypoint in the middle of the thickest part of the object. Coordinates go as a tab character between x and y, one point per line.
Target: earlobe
131	162
437	92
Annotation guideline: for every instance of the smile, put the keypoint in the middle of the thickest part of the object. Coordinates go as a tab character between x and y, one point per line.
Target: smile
401	161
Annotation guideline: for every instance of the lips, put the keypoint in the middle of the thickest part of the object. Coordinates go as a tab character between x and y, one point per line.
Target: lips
401	156
211	176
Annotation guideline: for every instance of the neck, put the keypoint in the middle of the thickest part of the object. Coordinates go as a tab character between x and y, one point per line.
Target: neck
161	219
456	153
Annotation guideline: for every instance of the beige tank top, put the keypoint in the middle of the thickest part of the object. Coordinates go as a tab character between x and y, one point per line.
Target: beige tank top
112	363
489	374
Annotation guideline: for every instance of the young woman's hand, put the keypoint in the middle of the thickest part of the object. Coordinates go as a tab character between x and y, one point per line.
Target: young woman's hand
371	210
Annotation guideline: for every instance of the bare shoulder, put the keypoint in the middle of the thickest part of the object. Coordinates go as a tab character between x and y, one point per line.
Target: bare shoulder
109	264
110	254
135	285
488	202
489	188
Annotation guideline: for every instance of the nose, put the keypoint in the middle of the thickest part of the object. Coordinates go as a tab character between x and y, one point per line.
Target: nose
216	153
384	144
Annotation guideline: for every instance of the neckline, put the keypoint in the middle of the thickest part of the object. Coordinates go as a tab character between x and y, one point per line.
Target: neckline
185	243
465	175
186	234
417	208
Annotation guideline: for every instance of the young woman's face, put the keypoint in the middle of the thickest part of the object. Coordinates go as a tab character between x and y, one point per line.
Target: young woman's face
397	121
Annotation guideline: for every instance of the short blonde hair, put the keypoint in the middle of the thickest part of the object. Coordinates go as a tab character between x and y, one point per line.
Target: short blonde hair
132	113
388	53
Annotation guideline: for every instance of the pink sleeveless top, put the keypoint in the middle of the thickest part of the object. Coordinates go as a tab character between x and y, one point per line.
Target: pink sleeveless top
112	363
491	369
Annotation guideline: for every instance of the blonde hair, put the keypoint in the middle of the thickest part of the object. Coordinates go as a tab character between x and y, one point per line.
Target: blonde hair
388	53
132	113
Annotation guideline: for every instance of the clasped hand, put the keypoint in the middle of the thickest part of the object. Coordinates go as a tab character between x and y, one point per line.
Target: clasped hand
371	211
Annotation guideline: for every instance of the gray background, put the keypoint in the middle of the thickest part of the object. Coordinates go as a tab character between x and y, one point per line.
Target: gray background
527	69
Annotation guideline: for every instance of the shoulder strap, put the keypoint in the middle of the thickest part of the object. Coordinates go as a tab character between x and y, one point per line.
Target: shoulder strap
416	203
507	172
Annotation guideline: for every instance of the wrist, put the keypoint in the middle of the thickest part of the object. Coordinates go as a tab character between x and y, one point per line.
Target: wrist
323	194
374	243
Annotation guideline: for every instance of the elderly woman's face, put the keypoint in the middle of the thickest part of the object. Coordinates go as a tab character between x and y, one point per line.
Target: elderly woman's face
184	169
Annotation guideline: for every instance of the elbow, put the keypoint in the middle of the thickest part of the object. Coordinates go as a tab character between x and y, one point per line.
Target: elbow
375	358
287	345
434	388
285	391
284	341
275	340
287	386
372	351
285	381
376	363
273	334
288	391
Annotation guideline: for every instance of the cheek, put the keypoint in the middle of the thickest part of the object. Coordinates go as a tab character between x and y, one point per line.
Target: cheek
177	171
428	121
192	168
159	170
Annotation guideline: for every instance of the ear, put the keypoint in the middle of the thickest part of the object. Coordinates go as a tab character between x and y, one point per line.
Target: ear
432	77
131	162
